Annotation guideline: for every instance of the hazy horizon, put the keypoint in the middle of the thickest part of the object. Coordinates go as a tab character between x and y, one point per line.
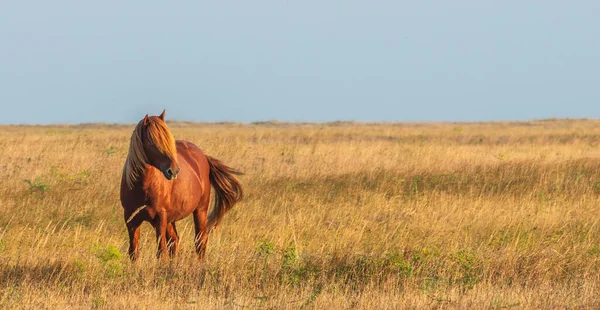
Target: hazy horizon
277	122
68	62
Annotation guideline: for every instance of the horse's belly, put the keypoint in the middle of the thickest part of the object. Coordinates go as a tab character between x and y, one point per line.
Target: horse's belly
181	210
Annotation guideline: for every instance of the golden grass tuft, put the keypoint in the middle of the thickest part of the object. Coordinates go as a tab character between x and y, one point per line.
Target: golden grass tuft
336	215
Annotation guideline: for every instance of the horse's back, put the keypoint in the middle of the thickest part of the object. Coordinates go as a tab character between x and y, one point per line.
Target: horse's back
194	156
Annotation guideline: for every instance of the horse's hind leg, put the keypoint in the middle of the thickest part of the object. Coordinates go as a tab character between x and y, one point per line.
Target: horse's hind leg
201	237
172	239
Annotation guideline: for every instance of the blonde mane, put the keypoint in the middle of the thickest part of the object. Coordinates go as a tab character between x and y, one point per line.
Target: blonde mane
158	134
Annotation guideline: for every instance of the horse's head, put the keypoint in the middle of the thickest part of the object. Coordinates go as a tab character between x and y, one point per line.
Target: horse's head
159	145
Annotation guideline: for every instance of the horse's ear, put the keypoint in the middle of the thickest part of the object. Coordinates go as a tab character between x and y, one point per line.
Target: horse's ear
162	115
146	120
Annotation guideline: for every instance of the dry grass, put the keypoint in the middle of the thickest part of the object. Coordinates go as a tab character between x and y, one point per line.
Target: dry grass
339	215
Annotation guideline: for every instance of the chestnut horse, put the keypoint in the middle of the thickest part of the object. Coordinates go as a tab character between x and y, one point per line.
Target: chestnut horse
165	180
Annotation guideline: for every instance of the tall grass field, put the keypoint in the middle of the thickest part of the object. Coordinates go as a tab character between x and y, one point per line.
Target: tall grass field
335	216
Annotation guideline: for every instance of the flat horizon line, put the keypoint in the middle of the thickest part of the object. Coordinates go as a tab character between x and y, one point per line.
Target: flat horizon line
279	123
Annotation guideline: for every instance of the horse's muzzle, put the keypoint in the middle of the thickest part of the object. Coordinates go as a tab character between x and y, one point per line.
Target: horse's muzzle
171	174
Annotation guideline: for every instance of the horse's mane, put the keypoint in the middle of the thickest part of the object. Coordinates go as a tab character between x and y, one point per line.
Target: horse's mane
158	133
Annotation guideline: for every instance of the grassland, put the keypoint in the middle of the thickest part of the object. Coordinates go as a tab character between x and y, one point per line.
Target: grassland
337	215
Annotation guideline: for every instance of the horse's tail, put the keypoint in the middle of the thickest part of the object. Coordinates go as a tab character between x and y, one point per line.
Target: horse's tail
228	190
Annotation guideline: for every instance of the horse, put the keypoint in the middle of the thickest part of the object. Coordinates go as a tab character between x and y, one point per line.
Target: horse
165	180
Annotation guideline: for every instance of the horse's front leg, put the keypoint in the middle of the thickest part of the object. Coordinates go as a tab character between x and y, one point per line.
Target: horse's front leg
161	232
134	240
172	239
133	229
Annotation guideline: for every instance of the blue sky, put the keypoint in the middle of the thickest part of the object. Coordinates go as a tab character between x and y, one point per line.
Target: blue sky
114	61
